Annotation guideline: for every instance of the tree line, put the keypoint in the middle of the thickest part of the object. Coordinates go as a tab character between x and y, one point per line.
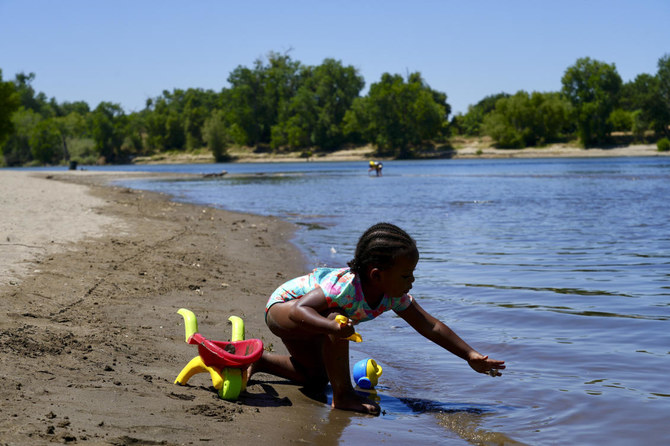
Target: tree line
593	103
281	105
275	105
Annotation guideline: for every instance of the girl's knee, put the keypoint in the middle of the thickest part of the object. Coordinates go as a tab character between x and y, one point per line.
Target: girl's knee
314	373
317	381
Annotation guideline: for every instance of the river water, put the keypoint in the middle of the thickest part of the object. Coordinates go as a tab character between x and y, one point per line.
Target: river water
560	267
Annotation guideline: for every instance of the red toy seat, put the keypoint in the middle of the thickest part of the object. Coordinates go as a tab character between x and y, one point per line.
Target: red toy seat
223	354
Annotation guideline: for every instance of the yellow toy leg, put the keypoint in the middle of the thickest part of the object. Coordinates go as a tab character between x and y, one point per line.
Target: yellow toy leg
232	384
241	379
238	328
190	322
196	366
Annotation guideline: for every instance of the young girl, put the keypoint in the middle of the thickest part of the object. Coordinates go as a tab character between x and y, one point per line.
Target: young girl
302	313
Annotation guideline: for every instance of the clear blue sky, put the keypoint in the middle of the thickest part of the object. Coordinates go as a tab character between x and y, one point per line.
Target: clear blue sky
127	51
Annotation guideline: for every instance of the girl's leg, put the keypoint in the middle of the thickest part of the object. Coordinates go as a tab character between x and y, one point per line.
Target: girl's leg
313	359
303	364
336	359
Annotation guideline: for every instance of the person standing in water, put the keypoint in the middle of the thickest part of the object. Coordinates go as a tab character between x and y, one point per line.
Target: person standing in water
377	167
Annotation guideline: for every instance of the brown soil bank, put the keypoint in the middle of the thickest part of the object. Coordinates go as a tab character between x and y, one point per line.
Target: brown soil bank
464	148
90	338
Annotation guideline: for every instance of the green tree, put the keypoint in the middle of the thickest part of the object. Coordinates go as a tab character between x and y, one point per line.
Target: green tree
107	122
335	87
642	98
398	116
17	150
172	121
175	119
216	136
164	123
297	121
314	116
194	115
526	119
621	120
593	88
79	107
154	117
471	122
510	124
663	113
42	128
635	94
31	100
175	138
9	103
72	127
134	135
257	95
46	142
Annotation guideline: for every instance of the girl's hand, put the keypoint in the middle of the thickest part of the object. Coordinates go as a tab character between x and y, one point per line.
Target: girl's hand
343	330
482	364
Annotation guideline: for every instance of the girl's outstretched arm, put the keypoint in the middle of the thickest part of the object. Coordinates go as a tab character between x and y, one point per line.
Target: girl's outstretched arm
430	327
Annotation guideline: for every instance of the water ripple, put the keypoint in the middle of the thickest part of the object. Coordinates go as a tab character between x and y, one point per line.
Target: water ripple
571	291
575	312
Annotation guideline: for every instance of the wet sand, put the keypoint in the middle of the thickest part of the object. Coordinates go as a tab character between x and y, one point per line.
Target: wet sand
91	278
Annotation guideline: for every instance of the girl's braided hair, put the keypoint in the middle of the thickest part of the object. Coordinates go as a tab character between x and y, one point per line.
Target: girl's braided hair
379	246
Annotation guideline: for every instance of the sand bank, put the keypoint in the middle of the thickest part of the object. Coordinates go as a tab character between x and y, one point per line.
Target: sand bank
484	150
39	217
90	340
464	148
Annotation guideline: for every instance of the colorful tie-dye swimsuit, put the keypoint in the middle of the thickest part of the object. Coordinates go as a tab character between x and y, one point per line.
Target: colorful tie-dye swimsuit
342	289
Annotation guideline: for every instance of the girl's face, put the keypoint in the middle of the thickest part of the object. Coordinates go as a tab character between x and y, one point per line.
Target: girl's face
397	280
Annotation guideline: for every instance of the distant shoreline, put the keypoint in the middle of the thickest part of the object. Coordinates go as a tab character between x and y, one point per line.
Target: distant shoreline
468	150
561	151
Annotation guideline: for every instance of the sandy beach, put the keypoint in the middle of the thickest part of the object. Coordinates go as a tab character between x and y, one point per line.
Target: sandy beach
91	279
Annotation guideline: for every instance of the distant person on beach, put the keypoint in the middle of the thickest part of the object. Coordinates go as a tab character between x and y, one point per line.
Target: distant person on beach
302	313
377	167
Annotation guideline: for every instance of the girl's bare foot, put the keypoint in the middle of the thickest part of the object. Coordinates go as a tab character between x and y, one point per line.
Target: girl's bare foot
356	403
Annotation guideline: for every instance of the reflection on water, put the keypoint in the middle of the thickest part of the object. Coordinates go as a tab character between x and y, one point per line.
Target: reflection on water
423	421
554	290
559	267
419	405
568	310
468	426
